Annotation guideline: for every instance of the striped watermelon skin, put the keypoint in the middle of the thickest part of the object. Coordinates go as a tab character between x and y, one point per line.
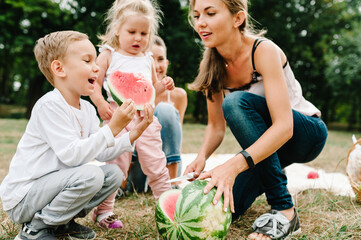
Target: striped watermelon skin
166	226
196	217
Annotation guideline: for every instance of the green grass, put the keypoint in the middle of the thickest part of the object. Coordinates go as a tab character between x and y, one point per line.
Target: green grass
322	214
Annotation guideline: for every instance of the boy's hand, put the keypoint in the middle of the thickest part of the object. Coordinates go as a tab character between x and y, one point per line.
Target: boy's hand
122	116
141	123
105	110
168	83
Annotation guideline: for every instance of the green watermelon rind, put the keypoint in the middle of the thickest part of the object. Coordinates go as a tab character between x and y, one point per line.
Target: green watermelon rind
189	225
119	99
166	227
188	221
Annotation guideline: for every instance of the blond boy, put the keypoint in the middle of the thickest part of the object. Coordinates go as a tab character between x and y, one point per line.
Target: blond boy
49	183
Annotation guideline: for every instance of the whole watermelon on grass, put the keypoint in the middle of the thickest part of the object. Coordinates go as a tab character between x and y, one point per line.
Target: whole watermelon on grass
190	214
124	85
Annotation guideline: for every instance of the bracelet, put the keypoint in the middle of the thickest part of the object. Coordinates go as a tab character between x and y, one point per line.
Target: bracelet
248	158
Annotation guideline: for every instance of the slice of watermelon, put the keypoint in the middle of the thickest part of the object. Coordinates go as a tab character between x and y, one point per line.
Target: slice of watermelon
123	85
164	214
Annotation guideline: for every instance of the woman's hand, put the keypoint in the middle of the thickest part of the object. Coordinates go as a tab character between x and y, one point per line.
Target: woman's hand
222	177
196	166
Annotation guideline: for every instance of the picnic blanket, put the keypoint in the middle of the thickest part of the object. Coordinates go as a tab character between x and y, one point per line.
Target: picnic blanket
336	183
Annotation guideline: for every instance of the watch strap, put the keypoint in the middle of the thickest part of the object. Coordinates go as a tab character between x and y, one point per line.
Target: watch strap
248	158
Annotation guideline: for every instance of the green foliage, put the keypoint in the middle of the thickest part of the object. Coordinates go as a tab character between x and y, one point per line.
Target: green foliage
88	17
318	37
22	23
306	31
344	70
183	52
179	37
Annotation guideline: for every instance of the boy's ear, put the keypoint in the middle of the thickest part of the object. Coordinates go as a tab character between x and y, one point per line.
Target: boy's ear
57	68
239	18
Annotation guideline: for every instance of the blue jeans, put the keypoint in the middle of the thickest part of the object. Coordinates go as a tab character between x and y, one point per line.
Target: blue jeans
248	118
171	135
171	132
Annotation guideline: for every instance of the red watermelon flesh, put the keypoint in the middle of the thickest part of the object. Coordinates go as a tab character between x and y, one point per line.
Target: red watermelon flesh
123	85
165	211
169	208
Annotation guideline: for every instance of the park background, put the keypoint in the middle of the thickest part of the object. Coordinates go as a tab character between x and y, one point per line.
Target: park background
321	39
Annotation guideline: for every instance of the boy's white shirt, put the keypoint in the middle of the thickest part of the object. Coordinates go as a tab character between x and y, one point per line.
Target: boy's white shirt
52	142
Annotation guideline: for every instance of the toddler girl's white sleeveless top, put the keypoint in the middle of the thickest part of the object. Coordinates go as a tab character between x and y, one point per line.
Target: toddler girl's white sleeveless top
128	64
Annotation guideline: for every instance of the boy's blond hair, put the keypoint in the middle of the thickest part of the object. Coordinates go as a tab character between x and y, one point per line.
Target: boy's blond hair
53	47
118	13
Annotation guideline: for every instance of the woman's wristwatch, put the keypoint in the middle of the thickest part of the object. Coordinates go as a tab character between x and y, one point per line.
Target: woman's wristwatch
248	158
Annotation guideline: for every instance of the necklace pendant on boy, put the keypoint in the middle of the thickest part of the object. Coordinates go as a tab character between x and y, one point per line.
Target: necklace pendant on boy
81	127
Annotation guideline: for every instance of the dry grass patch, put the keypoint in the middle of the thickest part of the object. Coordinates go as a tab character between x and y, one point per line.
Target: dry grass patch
322	214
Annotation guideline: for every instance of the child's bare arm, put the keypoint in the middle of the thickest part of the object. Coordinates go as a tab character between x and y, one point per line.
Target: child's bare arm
104	109
122	117
161	85
142	122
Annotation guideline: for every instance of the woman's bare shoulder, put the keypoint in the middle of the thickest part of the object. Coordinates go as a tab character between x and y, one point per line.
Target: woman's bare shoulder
269	47
179	93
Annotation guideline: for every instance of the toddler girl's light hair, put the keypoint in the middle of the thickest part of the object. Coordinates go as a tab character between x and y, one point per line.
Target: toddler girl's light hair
118	13
53	46
212	71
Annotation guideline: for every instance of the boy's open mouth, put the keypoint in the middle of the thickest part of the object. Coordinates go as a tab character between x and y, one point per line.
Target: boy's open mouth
91	81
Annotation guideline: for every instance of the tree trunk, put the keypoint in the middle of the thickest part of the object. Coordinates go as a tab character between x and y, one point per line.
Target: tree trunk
200	110
4	76
34	93
353	115
358	113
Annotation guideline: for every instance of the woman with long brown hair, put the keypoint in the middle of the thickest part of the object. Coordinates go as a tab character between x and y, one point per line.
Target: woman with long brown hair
250	87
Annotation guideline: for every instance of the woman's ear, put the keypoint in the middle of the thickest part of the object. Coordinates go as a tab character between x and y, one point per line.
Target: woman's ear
239	19
57	68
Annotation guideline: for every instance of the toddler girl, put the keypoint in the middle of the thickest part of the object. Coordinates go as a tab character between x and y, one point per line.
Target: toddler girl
132	24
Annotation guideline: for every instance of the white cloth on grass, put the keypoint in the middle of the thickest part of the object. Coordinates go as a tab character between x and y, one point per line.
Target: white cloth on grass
336	183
